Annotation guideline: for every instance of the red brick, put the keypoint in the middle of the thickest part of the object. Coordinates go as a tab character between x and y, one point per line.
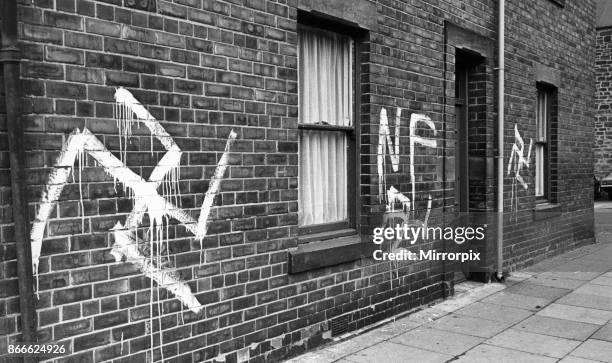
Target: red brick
66	21
63	55
91	340
71	295
42	34
102	27
122	79
102	60
72	328
85	41
42	70
110	288
108	320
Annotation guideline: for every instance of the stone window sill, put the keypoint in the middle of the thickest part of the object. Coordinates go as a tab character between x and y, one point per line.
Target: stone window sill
546	210
329	252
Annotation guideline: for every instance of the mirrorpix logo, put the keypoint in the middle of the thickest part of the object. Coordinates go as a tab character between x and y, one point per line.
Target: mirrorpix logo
403	232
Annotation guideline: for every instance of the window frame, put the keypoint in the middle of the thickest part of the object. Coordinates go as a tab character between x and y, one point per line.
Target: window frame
542	116
549	93
348	227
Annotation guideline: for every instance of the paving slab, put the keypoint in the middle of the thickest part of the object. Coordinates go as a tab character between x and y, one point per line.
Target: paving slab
392	352
592	289
534	290
605	333
364	340
557	327
485	353
599	256
576	313
602	280
518	276
357	342
396	328
548	264
554	281
570	359
585	265
579	265
587	301
572	275
598	350
471	296
603	204
534	343
495	312
438	340
462	324
319	356
505	298
423	316
344	348
468	285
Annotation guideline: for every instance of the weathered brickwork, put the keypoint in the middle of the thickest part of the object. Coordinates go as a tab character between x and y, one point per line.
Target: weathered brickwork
205	67
603	100
569	50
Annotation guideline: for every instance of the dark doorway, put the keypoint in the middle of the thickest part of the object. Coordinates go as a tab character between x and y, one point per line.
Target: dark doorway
470	116
462	190
470	141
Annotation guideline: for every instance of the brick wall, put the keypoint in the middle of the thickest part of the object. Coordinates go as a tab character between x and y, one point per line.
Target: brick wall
203	68
603	100
570	52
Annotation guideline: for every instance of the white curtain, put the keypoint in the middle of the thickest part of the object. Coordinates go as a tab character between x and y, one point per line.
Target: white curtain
325	94
539	175
541	119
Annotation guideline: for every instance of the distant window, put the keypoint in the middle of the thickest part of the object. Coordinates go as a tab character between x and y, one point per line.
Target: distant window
325	123
561	3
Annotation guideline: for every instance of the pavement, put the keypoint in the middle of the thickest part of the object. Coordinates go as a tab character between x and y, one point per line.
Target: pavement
559	310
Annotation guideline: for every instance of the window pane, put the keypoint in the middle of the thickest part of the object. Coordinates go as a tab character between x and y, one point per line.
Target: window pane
539	165
542	115
325	77
323	173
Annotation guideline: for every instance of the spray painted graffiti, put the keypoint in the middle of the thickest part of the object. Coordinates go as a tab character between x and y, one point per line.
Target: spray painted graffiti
391	195
516	163
159	207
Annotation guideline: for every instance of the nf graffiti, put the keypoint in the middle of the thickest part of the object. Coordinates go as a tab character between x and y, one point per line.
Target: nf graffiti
391	143
160	207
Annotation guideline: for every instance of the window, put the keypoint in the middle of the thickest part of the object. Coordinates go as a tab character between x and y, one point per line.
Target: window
560	3
544	116
326	125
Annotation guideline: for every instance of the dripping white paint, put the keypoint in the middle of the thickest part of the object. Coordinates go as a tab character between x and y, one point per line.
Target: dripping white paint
391	194
515	164
147	200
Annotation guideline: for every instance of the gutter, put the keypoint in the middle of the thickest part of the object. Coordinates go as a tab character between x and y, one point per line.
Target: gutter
10	59
500	140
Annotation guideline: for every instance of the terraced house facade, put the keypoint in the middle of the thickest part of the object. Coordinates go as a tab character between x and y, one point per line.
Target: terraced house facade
200	180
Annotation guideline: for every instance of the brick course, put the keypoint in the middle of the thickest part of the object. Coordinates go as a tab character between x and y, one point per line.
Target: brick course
205	67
